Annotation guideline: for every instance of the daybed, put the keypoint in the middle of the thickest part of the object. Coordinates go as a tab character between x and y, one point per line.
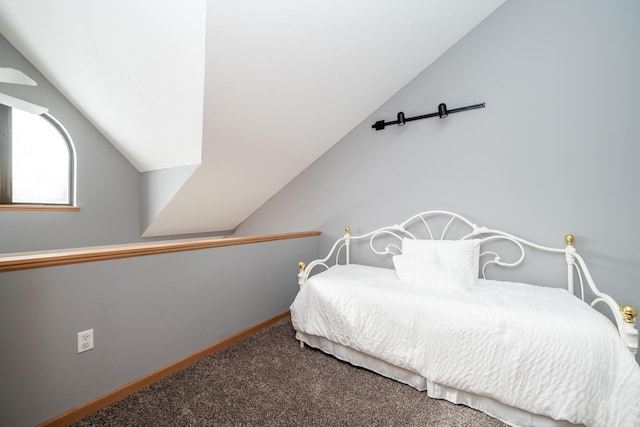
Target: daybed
529	355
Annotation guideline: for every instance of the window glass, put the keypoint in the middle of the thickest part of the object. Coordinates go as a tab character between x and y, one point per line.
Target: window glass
41	160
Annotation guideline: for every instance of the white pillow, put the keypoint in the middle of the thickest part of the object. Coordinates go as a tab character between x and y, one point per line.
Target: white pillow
443	265
405	266
441	278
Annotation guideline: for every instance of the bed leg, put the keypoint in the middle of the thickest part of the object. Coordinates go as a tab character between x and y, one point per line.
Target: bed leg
301	344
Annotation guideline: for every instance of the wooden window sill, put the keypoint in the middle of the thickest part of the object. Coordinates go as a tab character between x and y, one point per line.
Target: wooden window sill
49	208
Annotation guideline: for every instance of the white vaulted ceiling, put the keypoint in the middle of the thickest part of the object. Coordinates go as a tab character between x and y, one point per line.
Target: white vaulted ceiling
230	99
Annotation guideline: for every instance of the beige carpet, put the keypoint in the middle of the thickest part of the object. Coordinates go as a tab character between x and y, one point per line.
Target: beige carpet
268	380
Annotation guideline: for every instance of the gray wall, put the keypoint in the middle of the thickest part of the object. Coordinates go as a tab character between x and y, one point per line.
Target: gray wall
108	185
555	150
146	312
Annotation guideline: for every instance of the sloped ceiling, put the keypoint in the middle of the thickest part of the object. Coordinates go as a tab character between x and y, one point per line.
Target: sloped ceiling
245	94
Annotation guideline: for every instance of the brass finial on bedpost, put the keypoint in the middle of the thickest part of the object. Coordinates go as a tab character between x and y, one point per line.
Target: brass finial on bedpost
570	257
629	313
347	244
301	275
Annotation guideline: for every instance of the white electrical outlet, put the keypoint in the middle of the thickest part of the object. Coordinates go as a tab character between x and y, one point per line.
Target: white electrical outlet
85	340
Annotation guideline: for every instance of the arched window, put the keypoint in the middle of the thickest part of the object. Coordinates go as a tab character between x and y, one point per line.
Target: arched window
37	160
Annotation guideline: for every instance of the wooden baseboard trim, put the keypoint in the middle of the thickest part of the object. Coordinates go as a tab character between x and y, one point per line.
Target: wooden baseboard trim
105	400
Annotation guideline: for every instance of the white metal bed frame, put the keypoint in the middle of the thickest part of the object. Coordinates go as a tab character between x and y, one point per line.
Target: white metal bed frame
624	316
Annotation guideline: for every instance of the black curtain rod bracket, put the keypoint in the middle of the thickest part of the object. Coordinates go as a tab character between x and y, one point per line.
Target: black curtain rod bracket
442	113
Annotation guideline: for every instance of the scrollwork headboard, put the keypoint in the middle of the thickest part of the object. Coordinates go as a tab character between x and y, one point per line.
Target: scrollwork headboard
386	241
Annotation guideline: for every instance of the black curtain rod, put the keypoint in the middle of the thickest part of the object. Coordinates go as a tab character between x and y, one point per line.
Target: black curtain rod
442	113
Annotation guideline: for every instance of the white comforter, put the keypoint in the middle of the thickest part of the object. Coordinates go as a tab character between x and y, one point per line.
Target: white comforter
535	348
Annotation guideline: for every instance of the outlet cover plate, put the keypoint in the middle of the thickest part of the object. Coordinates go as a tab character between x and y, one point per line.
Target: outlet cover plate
85	340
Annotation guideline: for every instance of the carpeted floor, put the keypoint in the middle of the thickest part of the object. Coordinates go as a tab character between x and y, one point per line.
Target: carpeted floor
268	380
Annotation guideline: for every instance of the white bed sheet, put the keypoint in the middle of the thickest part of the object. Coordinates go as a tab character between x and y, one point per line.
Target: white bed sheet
530	347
